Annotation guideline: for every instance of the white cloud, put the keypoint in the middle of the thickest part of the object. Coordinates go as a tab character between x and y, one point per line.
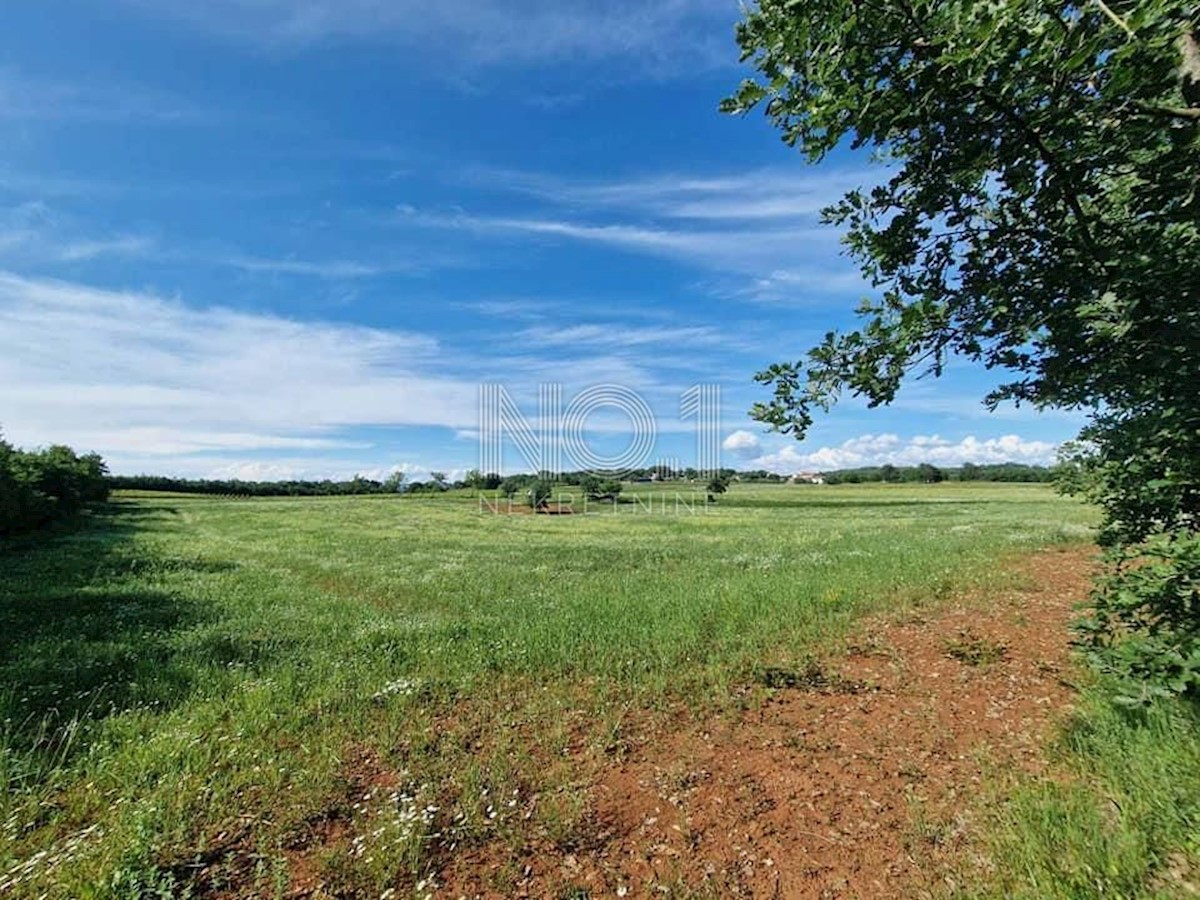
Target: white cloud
156	385
249	471
135	376
308	467
169	441
742	443
878	449
313	470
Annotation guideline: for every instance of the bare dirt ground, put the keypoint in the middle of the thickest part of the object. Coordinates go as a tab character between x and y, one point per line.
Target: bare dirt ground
859	778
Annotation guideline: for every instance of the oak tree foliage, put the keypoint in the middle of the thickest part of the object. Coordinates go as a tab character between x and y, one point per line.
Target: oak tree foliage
1037	213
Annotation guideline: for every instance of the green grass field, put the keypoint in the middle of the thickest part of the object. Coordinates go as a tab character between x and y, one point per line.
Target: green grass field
185	674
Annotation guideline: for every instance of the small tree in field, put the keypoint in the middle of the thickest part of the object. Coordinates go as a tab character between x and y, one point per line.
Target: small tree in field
610	489
595	488
590	485
717	485
539	493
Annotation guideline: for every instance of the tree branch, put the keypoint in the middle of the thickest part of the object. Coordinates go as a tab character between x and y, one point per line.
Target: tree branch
1191	113
1052	163
1117	20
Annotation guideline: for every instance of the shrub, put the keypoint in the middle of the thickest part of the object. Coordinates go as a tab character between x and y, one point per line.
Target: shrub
1144	626
718	484
37	487
538	493
595	488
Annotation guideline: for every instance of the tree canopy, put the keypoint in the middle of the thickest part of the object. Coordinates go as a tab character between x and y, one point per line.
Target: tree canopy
1037	213
1040	210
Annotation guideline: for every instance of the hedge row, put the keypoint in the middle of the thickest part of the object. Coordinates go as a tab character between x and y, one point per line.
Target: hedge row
38	487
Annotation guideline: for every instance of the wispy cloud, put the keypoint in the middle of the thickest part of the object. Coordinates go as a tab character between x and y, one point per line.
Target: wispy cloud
160	441
126	245
332	269
666	36
23	96
742	250
763	227
520	309
771	193
786	286
34	232
617	334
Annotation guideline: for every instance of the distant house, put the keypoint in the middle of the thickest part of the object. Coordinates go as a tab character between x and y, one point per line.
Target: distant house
807	478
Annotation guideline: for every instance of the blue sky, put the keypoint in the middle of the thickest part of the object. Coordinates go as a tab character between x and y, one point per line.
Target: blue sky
290	238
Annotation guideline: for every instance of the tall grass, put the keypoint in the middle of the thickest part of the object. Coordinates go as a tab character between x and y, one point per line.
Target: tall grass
1123	818
190	680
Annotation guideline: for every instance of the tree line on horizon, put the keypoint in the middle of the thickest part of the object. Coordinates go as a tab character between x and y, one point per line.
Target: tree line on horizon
358	485
41	486
927	473
594	483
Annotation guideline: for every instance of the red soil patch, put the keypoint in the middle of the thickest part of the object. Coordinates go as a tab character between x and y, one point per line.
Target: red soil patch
822	792
228	869
364	774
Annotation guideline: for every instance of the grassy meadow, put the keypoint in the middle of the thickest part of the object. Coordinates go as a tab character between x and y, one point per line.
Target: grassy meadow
189	679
